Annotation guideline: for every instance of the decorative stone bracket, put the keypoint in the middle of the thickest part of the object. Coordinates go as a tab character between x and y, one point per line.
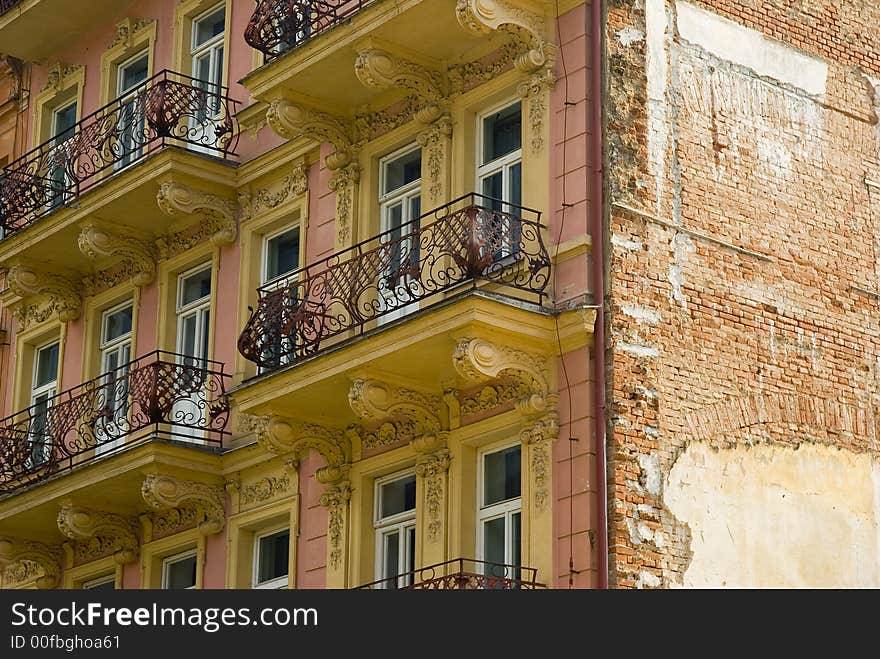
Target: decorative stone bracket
138	256
99	533
32	558
479	360
432	468
402	413
279	435
178	199
163	492
63	293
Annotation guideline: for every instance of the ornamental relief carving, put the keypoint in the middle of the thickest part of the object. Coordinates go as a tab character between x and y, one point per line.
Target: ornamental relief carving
62	292
23	561
127	29
174	520
98	534
59	74
539	436
162	492
266	198
433	468
264	489
335	499
138	256
492	396
219	213
479	360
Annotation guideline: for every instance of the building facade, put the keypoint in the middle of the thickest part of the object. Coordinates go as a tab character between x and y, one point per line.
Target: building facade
297	295
439	293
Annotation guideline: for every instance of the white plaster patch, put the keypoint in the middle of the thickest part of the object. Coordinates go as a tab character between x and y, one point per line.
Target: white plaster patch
647	580
778	517
641	314
650	466
639	351
630	35
733	42
625	243
657	27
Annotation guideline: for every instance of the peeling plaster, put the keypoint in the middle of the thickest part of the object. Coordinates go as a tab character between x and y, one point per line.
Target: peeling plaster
776	516
639	351
625	243
641	314
630	35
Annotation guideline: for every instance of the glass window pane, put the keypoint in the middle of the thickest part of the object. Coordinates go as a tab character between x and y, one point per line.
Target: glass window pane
395	219
415	207
398	496
64	120
133	74
501	475
282	254
403	170
493	540
209	27
181	574
47	365
514	190
272	556
188	336
206	318
392	556
493	187
117	324
202	68
502	133
196	287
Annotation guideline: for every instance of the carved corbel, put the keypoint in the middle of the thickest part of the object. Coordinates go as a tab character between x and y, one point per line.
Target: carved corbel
138	256
28	559
432	468
289	120
479	360
485	16
100	533
163	492
280	436
538	436
379	69
63	293
335	498
376	401
178	199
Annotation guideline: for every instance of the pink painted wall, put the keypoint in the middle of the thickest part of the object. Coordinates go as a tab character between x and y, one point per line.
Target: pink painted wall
225	319
311	545
131	576
214	571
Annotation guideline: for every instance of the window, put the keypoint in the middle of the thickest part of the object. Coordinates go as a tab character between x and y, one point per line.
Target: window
280	260
400	201
193	325
115	357
499	178
395	523
106	582
206	50
179	572
61	158
499	518
129	76
43	388
271	559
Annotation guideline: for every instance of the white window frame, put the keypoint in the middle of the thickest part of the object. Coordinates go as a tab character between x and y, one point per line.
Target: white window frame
197	307
209	47
99	581
133	101
400	523
502	164
277	582
264	257
176	558
403	195
506	509
57	142
108	347
49	390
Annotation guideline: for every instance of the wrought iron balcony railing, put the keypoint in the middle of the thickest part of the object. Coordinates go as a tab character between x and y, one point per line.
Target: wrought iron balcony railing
463	243
168	109
462	574
6	5
159	395
281	25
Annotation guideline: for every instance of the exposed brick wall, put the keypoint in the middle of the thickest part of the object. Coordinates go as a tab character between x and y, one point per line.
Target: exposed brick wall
844	31
743	255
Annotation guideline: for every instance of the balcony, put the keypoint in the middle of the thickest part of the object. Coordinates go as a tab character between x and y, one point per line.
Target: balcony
35	29
169	109
462	574
281	25
454	249
157	396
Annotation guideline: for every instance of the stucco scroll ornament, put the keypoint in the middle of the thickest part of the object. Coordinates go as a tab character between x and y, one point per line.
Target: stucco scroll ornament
126	30
335	498
373	400
432	467
479	360
27	559
98	533
279	436
176	199
162	492
58	75
539	435
138	256
63	292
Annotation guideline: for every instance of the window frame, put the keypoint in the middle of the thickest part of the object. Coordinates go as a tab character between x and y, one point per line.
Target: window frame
264	255
209	46
197	307
277	583
104	346
404	193
176	558
502	164
506	508
398	523
95	582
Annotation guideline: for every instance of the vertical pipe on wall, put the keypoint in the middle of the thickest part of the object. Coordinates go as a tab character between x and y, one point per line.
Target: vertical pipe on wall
598	236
